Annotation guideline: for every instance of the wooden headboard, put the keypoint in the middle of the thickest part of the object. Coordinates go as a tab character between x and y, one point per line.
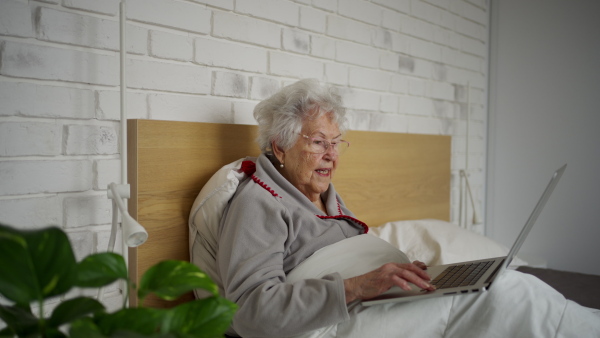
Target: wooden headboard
382	177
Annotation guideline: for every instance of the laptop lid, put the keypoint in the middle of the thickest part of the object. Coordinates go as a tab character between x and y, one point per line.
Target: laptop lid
533	217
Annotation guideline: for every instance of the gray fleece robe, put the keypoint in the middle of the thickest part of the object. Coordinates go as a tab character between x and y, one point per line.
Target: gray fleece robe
268	228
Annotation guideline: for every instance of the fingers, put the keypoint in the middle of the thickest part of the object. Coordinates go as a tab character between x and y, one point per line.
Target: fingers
417	270
380	280
410	273
420	265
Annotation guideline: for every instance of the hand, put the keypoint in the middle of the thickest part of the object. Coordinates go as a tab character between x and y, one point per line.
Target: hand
380	280
420	264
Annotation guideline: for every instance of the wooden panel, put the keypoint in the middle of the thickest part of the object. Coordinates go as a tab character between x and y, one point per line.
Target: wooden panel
387	177
169	164
382	177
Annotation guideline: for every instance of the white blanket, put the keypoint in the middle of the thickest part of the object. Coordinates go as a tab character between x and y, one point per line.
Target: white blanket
518	305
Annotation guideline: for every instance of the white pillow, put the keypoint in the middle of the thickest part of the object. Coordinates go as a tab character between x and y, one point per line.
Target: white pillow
436	242
207	212
350	257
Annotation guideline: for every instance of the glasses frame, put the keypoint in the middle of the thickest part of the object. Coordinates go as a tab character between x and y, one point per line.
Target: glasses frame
327	144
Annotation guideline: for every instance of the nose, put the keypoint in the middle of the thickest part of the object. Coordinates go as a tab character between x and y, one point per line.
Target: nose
330	154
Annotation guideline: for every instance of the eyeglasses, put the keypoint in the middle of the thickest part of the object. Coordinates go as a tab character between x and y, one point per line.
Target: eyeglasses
319	145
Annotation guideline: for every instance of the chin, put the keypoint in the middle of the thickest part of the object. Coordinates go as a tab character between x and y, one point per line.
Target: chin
323	188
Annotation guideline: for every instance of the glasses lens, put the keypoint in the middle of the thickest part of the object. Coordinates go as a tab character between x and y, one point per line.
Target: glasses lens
318	145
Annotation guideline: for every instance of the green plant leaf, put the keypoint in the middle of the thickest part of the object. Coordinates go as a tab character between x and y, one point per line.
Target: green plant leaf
202	318
170	279
53	259
52	332
18	282
73	309
38	264
145	321
35	264
7	332
101	269
85	327
19	320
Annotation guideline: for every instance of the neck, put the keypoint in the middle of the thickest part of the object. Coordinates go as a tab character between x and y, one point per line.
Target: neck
319	204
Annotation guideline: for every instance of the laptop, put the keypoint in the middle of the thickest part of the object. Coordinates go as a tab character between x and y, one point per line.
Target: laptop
472	276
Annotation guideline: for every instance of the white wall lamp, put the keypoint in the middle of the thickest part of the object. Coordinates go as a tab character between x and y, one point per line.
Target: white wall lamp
476	220
464	179
133	233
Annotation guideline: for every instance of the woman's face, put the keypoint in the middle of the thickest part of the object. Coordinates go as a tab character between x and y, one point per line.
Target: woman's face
309	172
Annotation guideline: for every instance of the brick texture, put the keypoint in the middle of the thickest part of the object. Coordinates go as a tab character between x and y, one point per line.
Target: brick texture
77	29
30	138
39	176
24	60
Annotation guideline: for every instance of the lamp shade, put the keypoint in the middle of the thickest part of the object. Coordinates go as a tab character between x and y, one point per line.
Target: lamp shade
133	232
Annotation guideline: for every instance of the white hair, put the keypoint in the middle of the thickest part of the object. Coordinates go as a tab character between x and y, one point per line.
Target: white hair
281	116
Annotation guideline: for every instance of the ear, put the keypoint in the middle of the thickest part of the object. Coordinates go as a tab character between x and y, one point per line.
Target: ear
278	152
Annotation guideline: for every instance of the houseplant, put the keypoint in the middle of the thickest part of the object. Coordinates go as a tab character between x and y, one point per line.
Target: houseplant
36	265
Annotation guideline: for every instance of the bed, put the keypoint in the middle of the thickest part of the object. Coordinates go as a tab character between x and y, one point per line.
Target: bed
169	162
405	199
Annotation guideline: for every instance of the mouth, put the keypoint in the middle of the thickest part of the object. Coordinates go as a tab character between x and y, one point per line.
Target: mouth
323	172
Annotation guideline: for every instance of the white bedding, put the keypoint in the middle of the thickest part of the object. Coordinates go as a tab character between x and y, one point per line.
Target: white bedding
518	305
431	241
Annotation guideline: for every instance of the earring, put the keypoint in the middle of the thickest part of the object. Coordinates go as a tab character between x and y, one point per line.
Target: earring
281	166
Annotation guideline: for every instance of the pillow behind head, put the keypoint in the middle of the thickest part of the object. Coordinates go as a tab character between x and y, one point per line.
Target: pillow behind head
438	242
206	215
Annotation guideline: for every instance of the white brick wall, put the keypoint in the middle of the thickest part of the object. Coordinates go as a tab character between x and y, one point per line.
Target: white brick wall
165	45
144	74
90	140
77	29
15	19
32	213
174	14
401	66
108	105
30	138
26	60
285	12
109	7
225	54
246	29
190	108
22	177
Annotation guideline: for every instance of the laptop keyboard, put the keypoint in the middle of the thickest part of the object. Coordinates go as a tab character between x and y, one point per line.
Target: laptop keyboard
461	275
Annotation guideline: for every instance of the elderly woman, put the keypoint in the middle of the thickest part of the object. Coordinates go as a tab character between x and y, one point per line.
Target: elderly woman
288	211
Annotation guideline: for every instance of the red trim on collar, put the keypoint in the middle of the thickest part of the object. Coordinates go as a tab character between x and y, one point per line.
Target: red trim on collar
264	185
363	224
248	167
339	207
